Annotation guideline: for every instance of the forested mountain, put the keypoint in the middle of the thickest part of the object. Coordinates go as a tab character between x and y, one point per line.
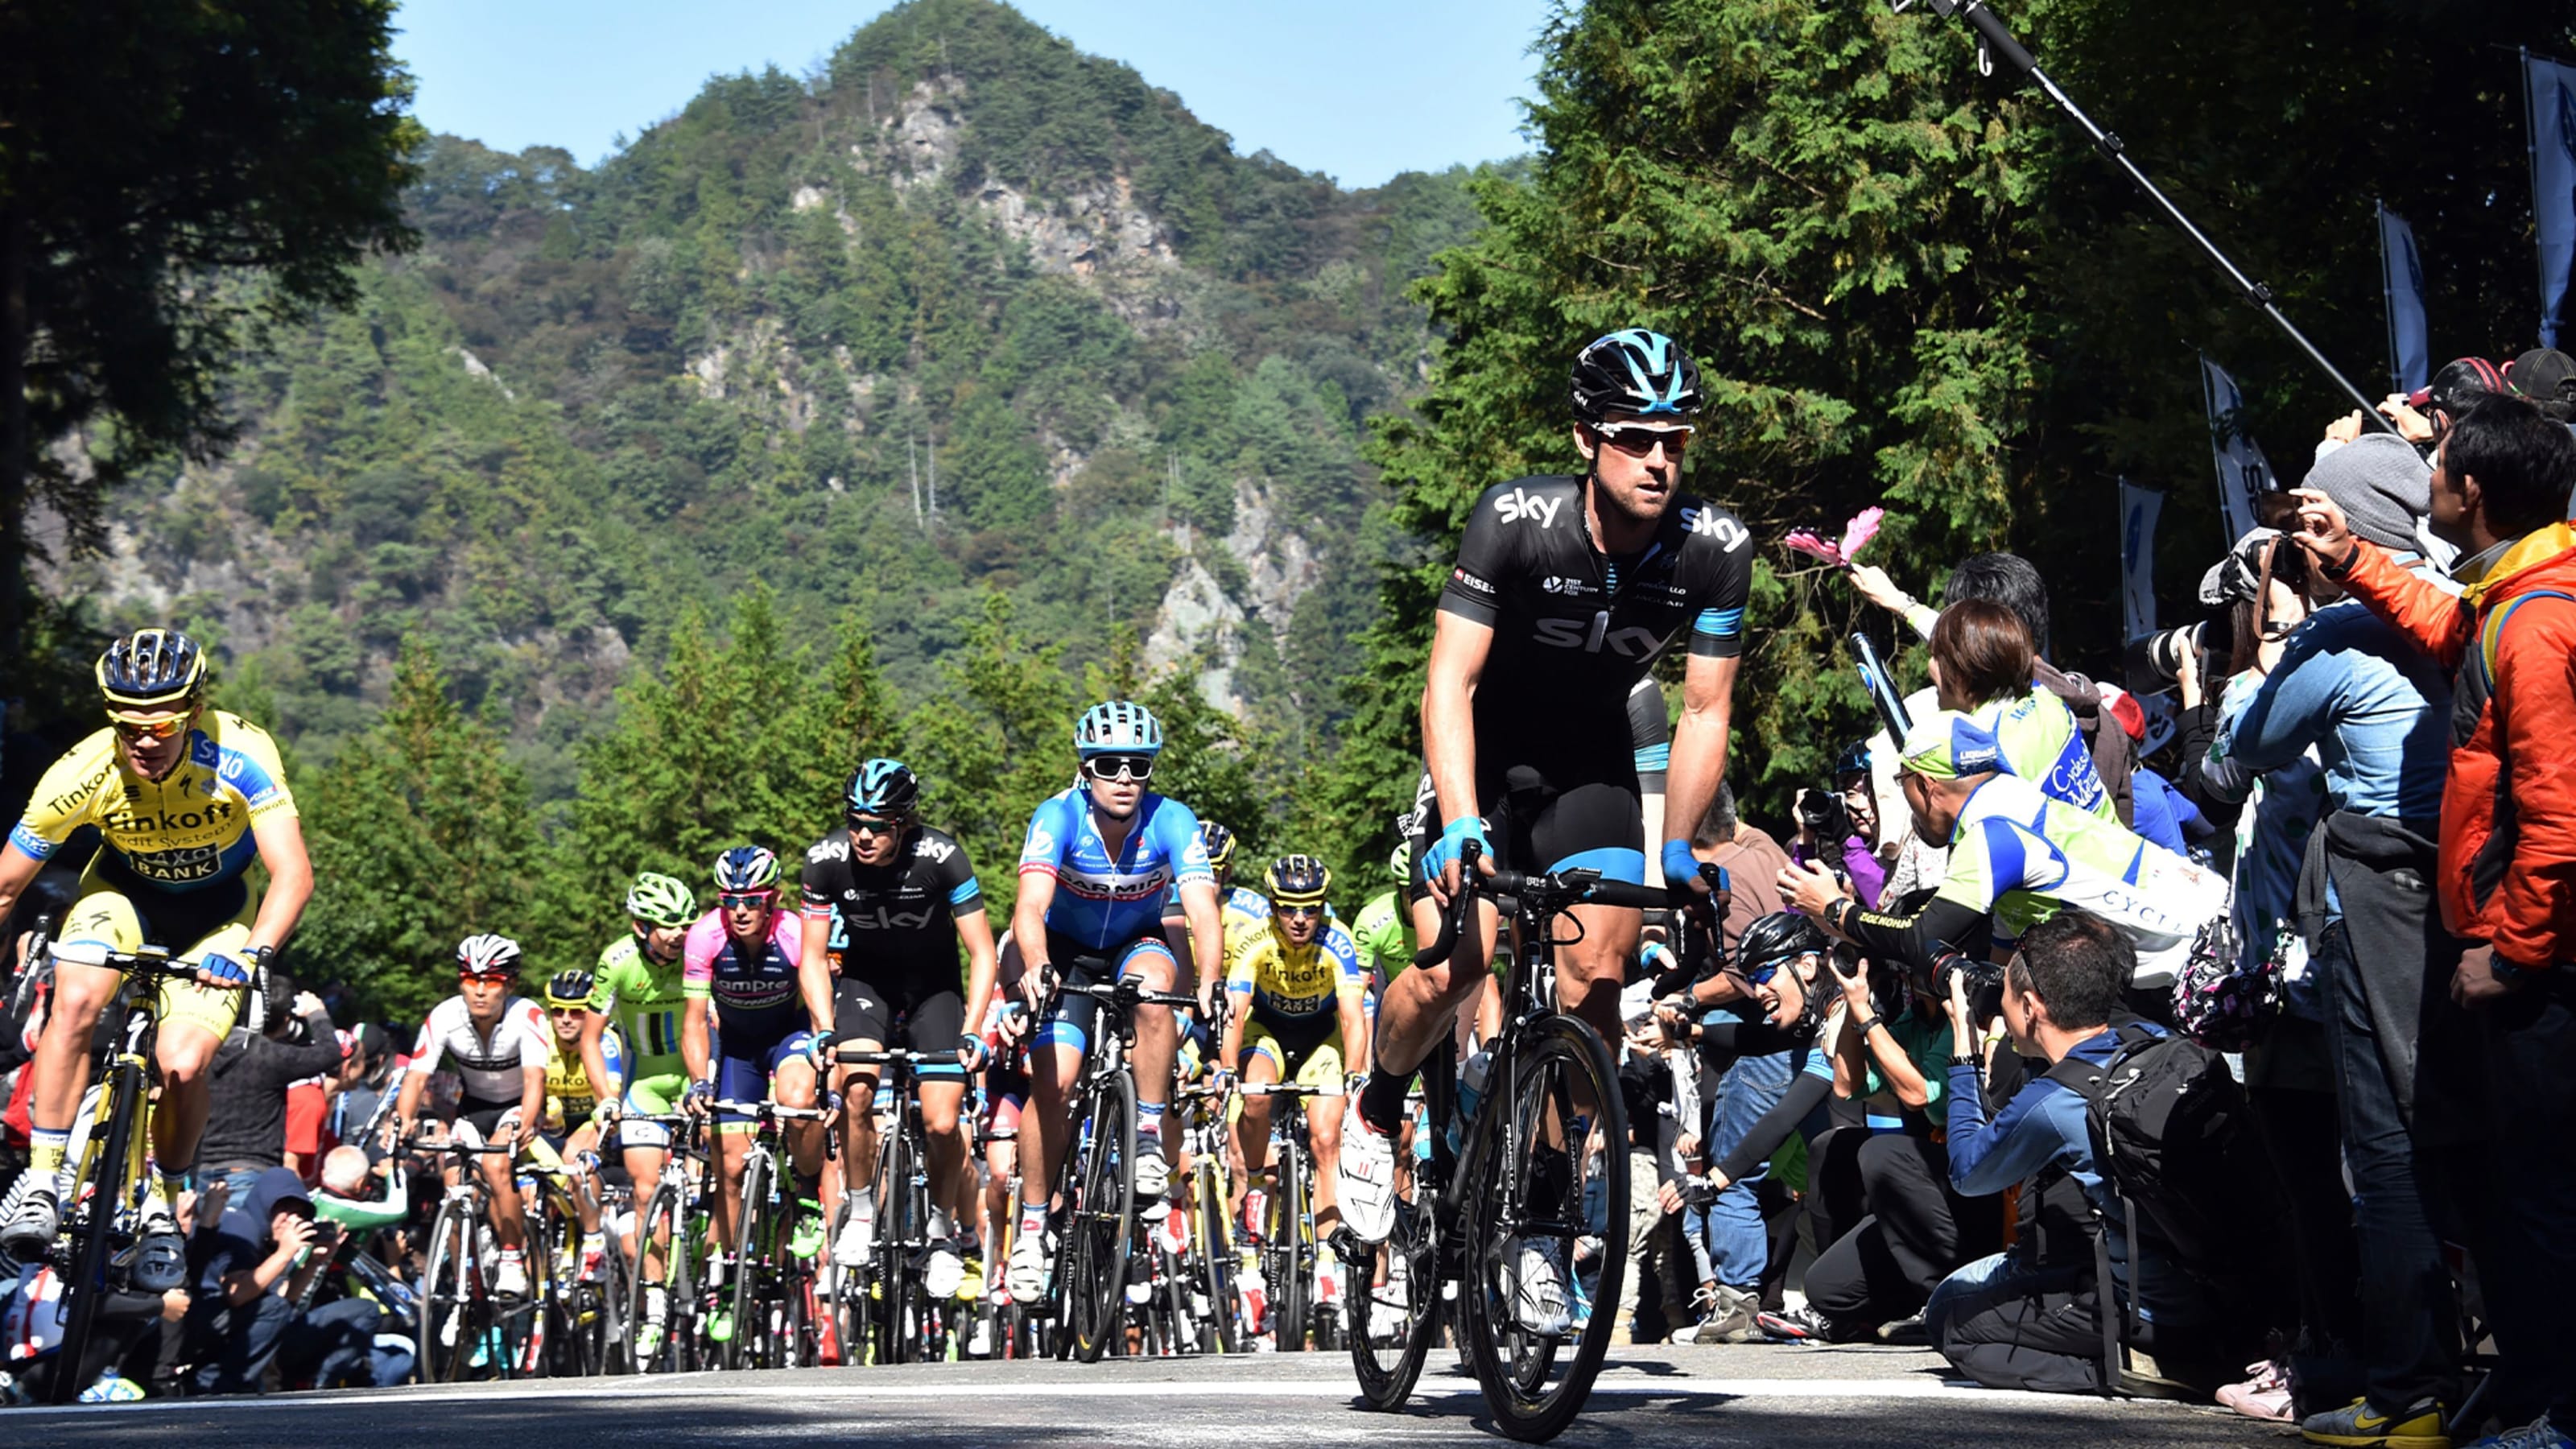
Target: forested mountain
962	311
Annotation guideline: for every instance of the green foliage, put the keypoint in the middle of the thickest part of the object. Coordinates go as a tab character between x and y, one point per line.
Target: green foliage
1914	286
178	181
420	836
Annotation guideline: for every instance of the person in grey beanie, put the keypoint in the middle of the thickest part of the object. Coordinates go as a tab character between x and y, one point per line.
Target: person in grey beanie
2409	1111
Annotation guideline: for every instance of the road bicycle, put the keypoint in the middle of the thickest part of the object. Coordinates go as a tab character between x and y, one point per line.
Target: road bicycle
102	1215
774	1308
464	1328
668	1253
1289	1262
1096	1183
1516	1186
889	1307
1208	1272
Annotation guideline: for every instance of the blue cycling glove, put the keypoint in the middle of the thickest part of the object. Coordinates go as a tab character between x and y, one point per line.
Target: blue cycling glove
227	971
1445	849
1680	866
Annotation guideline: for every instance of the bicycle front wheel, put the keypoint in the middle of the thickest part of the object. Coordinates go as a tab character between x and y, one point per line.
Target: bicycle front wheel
116	1170
448	1333
1098	1231
1292	1285
750	1241
1547	1189
1213	1248
1392	1324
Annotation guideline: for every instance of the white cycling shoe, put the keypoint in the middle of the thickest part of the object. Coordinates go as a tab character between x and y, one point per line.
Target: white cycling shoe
1027	1278
1153	1175
1538	1289
1366	1177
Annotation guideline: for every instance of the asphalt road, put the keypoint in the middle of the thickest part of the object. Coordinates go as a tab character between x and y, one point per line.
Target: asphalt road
1771	1396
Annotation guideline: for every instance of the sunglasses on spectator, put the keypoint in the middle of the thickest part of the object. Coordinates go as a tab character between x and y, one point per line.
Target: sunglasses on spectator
1138	768
1638	439
135	731
865	825
745	900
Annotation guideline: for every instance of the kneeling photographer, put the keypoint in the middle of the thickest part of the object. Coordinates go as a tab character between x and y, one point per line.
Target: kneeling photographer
2034	1316
1890	1226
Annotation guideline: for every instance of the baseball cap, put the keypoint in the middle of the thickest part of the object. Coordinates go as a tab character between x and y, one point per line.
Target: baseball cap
1947	745
2456	387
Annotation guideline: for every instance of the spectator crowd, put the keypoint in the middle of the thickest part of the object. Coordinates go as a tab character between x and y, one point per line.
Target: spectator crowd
2215	1042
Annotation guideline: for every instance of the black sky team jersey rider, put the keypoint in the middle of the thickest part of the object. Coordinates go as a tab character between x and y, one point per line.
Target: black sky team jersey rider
1566	590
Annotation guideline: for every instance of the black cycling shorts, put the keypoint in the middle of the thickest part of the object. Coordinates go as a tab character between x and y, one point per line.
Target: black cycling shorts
1578	811
1079	965
932	1008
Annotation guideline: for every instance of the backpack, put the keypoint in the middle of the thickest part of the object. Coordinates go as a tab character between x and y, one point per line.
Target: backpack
2174	1141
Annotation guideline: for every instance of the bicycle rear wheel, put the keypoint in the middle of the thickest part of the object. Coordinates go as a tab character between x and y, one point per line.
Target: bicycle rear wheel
1099	1229
1527	1188
91	1218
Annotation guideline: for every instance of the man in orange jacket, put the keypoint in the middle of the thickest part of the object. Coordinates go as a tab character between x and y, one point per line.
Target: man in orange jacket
2502	478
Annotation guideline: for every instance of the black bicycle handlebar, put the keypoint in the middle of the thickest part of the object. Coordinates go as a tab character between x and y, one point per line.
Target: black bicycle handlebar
1551	892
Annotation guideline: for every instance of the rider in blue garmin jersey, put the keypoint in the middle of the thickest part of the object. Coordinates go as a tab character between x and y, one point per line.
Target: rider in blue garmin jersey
1093	874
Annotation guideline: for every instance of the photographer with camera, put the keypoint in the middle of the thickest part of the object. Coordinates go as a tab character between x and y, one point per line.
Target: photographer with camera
1830	835
2030	1317
1889	1225
2506	857
2410	1106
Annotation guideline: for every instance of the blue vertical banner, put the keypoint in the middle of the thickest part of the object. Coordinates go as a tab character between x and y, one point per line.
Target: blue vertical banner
2243	472
2549	101
2401	274
2138	510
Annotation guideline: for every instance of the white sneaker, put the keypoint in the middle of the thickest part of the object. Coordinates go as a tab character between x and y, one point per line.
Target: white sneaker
856	1247
510	1277
1027	1278
1366	1177
1153	1174
979	1344
1538	1289
944	1270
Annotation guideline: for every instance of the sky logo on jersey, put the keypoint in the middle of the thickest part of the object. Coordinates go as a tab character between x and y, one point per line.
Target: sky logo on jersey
1699	518
1555	585
884	920
1632	642
1520	503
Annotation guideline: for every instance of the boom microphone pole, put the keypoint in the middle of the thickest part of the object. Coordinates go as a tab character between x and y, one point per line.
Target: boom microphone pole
1994	39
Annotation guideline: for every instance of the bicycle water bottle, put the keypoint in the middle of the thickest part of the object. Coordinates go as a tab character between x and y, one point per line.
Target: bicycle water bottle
1471	1091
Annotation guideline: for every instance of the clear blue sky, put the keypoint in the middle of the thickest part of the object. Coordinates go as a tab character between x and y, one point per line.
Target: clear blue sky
1357	90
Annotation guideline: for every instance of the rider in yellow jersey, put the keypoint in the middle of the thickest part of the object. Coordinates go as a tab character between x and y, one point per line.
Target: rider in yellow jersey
571	1128
184	798
1296	990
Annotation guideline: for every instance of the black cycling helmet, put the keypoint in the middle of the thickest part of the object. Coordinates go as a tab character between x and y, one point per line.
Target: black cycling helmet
883	788
1854	760
569	988
152	671
1638	372
1219	844
1296	880
1776	937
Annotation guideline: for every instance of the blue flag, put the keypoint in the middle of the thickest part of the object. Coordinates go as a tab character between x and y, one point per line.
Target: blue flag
2410	353
2549	94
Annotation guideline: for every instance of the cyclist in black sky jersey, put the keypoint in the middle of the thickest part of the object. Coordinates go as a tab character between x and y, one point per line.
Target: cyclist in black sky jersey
1566	591
889	900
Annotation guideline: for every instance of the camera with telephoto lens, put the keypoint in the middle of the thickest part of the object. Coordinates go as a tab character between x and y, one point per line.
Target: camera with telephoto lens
2165	649
1984	979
